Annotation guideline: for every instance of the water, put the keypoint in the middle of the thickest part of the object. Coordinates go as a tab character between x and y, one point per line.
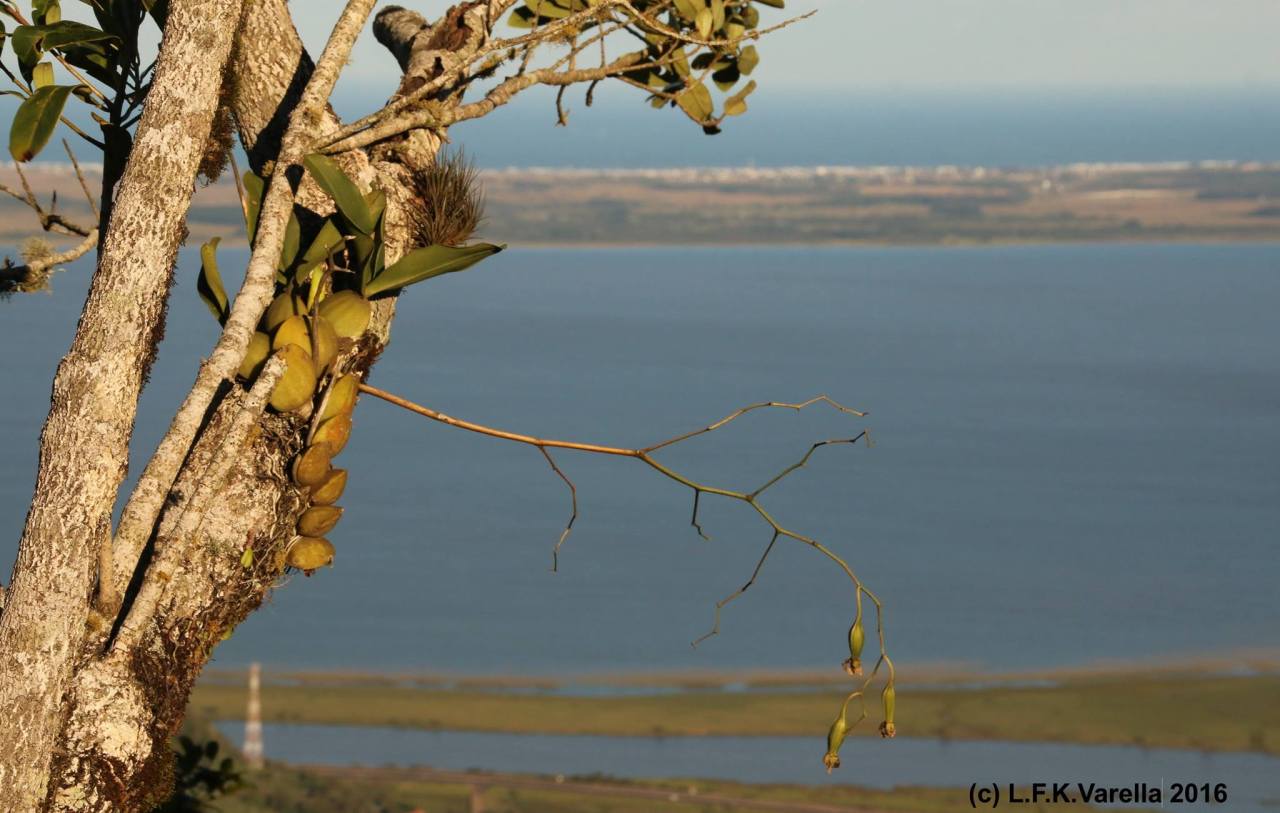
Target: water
1076	458
1252	780
863	125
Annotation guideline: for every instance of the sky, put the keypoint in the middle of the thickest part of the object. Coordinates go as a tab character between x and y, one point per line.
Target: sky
949	44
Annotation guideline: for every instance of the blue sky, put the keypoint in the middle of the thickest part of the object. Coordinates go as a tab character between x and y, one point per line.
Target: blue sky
948	44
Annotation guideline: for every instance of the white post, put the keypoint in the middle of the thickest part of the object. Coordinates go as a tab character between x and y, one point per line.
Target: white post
253	720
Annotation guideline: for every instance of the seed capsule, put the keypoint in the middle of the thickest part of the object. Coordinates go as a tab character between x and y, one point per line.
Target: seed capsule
308	553
292	331
856	637
298	384
334	432
888	696
312	466
319	520
835	739
255	356
348	312
330	489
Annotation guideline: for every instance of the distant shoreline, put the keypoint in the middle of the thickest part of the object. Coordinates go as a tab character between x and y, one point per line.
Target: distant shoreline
1210	202
1203	706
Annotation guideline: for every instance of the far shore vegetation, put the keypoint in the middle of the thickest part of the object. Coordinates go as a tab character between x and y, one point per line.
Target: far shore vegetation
1163	708
1203	202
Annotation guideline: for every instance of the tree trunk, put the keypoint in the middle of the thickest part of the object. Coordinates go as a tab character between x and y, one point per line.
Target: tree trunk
84	446
91	730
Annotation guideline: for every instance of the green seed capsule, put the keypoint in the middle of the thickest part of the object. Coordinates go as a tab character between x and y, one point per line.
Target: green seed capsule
835	739
856	638
888	697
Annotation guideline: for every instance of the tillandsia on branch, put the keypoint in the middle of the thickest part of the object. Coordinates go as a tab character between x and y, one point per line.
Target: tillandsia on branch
853	665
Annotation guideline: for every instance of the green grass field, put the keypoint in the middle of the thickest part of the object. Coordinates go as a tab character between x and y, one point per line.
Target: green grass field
1211	713
305	790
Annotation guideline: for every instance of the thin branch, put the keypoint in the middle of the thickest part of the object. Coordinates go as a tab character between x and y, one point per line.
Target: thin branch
646	21
240	193
29	277
733	416
645	455
573	517
49	221
715	627
84	186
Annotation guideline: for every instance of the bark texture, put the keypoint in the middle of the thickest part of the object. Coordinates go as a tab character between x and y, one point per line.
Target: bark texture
92	694
84	445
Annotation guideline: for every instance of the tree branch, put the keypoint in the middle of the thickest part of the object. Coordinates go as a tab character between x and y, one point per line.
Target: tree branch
34	275
645	455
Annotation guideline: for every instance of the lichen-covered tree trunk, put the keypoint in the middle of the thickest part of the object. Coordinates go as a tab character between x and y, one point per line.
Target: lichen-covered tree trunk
88	716
84	446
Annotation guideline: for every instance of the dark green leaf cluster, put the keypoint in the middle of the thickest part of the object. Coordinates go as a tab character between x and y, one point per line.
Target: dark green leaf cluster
689	46
344	252
200	777
102	61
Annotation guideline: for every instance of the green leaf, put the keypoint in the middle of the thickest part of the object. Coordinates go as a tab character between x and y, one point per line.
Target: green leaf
680	63
703	21
254	189
688	9
246	558
26	47
748	58
696	103
328	241
292	242
736	104
209	283
345	194
773	3
727	77
46	11
34	122
93	60
31	41
42	75
521	18
425	263
547	10
717	15
69	32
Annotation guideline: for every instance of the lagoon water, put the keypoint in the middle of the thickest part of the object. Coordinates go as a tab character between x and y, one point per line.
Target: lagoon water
1252	781
1076	457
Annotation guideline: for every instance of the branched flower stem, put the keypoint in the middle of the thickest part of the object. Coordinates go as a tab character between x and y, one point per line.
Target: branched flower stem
645	455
